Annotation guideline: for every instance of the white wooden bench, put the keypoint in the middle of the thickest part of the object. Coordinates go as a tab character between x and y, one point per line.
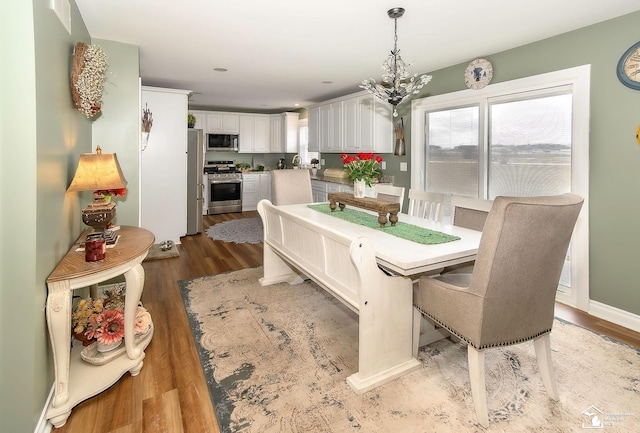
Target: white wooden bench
296	248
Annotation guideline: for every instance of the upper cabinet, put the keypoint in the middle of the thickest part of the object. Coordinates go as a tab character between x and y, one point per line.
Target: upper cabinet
223	123
201	119
284	133
257	133
353	123
254	133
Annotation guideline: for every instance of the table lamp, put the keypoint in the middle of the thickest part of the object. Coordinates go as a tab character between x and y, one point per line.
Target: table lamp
98	172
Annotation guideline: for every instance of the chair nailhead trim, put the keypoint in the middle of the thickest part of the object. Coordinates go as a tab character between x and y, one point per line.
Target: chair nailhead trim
484	346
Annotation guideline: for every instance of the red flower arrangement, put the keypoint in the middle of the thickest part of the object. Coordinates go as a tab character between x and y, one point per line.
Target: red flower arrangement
363	166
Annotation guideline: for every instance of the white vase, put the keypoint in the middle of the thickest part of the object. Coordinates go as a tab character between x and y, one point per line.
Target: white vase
358	188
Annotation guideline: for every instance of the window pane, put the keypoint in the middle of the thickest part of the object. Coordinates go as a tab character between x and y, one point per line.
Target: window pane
530	147
452	151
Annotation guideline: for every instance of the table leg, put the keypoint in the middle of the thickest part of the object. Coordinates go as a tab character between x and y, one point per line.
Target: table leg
275	270
393	217
382	218
134	278
59	323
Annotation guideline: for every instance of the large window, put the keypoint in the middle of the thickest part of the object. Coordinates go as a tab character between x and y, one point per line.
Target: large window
521	138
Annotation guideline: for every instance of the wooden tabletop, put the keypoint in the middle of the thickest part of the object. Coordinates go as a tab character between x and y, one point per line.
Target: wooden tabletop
133	242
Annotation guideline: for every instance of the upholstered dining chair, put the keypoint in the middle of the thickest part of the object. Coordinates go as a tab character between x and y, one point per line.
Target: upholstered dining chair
510	295
390	193
291	187
469	212
427	205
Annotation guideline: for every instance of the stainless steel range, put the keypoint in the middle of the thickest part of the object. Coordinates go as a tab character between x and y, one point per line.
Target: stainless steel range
225	187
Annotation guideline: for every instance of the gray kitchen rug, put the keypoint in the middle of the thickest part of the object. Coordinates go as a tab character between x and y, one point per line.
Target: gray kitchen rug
241	230
276	359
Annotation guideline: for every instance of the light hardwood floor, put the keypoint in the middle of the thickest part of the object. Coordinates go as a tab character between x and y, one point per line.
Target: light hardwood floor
170	394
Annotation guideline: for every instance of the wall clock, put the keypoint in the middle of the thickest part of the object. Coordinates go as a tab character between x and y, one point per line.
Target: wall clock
628	69
478	74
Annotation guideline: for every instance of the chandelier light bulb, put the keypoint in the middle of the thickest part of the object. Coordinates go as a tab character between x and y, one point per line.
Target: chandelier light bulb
393	88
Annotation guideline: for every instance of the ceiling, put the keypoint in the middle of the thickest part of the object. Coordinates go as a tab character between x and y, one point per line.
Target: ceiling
286	54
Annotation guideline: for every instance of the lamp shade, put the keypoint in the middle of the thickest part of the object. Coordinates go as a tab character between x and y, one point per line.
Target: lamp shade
98	171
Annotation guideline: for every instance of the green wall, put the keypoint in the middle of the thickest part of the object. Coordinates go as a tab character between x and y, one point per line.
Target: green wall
117	129
42	136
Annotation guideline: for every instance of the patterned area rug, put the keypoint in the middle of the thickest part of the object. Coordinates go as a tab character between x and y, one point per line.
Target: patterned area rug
242	230
276	359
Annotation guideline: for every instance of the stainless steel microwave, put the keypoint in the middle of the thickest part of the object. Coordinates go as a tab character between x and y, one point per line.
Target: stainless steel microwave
228	142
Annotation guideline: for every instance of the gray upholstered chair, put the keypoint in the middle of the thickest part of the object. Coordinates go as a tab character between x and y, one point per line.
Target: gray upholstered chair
425	204
469	212
509	297
291	187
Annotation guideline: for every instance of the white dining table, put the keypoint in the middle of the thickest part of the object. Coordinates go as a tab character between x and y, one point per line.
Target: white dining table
397	255
345	259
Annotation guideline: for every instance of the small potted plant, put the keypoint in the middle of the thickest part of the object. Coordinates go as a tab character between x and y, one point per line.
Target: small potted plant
314	165
191	120
244	167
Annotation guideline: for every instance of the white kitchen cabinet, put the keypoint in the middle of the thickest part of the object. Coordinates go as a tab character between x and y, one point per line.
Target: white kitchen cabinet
261	134
254	133
201	119
353	123
223	123
275	132
284	133
314	129
331	127
255	187
320	189
245	138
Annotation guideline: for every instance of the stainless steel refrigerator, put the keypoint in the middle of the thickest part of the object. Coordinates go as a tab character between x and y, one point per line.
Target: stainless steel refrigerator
195	187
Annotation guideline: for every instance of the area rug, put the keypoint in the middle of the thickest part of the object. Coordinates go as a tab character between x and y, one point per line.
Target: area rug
276	359
156	253
242	230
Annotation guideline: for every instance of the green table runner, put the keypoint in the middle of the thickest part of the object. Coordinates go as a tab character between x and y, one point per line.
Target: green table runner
401	230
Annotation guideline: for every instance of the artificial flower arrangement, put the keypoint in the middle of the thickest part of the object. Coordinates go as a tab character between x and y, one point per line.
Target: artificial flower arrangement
88	77
364	166
102	319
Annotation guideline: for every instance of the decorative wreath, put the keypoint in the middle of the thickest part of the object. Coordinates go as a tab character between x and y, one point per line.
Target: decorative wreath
87	78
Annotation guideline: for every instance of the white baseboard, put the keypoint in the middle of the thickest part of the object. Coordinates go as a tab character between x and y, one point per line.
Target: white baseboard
615	315
44	426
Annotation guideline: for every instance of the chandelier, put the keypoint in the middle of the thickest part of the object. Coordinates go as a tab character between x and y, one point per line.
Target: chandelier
393	89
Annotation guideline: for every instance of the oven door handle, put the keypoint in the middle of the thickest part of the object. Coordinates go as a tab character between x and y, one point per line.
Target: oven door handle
214	182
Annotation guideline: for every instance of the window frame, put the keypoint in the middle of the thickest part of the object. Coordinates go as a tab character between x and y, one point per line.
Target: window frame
579	78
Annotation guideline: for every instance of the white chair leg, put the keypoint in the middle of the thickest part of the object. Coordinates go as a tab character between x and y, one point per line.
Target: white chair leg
478	389
542	346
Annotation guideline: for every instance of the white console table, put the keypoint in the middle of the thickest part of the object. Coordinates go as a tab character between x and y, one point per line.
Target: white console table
75	379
